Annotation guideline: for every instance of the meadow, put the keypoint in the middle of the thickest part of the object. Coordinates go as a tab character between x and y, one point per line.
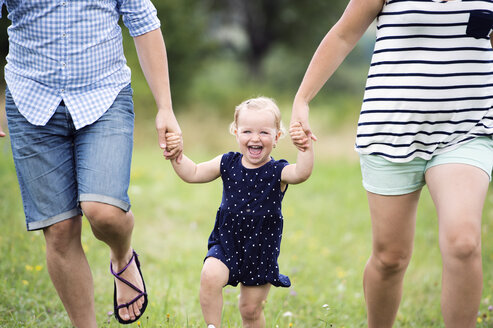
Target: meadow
326	241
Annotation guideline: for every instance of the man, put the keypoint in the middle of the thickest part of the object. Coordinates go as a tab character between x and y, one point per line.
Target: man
70	116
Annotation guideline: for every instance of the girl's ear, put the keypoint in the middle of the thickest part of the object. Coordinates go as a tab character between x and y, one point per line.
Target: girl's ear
278	135
276	138
236	134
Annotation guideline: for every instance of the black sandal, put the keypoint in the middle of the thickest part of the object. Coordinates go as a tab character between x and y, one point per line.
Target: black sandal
117	307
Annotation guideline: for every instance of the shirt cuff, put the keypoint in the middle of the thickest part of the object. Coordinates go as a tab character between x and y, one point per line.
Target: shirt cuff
142	22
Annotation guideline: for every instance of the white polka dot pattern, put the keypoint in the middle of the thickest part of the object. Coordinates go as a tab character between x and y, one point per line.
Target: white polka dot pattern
248	230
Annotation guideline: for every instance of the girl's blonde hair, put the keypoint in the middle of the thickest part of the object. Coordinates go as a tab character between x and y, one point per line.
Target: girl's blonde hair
259	103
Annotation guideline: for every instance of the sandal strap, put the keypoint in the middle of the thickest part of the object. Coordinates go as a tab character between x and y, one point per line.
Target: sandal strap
131	302
128	283
134	255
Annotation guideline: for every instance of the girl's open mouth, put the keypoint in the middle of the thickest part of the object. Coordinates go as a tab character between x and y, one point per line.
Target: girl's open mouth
255	150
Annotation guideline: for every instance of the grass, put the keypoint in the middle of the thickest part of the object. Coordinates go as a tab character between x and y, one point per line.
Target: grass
325	247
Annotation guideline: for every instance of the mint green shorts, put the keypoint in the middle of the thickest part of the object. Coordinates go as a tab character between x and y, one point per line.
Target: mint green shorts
383	177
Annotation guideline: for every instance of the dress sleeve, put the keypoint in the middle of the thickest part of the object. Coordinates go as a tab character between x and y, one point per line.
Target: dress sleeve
139	16
279	166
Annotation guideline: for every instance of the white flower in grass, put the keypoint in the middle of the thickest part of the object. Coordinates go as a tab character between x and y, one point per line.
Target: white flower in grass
287	314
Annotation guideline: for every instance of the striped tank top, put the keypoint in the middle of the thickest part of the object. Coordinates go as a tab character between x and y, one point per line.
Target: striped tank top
430	83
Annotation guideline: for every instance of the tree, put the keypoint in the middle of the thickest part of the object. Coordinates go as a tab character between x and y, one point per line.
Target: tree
298	24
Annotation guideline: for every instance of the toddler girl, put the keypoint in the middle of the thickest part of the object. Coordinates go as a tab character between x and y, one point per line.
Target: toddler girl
245	242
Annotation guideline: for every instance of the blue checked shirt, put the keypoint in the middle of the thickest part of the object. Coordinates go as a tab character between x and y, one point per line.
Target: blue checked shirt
70	50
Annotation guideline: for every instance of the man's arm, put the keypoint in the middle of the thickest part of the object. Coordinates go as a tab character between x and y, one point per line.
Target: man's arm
154	63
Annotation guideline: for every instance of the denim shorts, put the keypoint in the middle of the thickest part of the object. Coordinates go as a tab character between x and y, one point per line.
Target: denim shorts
383	177
58	166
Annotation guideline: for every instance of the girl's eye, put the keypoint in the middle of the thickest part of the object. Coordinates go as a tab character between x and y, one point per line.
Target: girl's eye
265	132
246	131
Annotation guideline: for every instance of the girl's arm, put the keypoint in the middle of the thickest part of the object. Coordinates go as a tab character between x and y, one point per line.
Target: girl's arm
190	172
333	49
186	169
301	171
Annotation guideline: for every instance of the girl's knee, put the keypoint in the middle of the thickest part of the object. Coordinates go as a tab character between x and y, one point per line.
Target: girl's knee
251	311
213	276
214	273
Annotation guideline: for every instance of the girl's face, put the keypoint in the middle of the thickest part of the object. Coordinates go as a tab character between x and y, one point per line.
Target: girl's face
256	135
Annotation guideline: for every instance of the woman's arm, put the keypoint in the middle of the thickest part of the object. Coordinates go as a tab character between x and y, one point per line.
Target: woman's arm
333	49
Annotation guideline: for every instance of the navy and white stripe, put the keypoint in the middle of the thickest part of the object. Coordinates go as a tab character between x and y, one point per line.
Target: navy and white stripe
430	84
70	50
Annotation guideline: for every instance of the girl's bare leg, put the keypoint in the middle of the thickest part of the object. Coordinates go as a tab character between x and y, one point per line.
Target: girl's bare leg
252	299
214	277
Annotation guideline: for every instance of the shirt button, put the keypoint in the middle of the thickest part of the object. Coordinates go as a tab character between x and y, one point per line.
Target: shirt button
64	3
62	90
64	34
63	64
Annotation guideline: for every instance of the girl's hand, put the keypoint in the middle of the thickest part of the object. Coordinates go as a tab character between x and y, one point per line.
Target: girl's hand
166	123
174	141
300	117
299	136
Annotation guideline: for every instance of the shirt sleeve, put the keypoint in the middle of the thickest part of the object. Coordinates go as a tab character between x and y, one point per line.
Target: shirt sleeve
139	16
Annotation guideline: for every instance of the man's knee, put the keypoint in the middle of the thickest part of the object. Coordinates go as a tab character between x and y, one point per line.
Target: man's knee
104	217
62	234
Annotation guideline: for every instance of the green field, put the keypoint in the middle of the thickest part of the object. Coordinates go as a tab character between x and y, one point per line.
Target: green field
325	246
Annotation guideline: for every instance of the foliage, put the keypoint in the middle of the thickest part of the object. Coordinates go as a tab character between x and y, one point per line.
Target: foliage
286	22
183	24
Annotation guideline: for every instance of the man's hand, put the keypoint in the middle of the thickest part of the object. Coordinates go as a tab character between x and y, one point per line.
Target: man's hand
166	123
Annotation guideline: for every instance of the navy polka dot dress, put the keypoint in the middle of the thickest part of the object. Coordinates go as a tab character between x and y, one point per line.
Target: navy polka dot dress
248	229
